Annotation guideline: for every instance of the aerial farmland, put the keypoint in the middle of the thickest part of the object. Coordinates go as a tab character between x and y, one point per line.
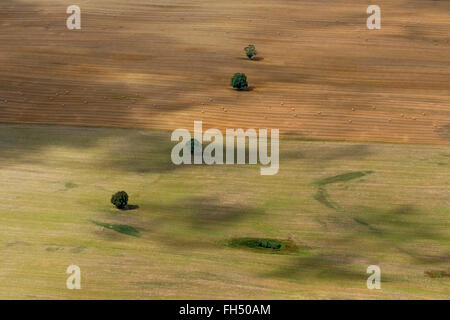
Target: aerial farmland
361	169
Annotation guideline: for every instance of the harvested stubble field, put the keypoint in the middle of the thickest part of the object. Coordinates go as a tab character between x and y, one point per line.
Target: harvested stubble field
162	64
344	205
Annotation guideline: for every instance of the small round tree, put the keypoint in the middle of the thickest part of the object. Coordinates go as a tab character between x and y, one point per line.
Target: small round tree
120	199
239	81
250	51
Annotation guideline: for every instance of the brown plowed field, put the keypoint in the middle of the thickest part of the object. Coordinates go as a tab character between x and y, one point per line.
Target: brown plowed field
163	64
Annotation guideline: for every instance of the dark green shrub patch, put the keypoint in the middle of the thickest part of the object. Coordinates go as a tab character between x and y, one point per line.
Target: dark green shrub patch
250	51
121	228
343	177
120	199
239	81
263	244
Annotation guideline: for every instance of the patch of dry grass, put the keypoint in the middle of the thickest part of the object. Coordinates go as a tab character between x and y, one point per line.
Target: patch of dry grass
396	218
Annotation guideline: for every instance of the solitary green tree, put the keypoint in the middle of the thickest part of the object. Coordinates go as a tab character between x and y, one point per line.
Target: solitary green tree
120	199
239	81
250	51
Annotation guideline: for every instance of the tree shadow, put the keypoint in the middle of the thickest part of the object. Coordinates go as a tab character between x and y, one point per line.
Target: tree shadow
130	207
247	89
256	59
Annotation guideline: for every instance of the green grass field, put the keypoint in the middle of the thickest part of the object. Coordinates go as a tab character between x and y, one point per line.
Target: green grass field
345	205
